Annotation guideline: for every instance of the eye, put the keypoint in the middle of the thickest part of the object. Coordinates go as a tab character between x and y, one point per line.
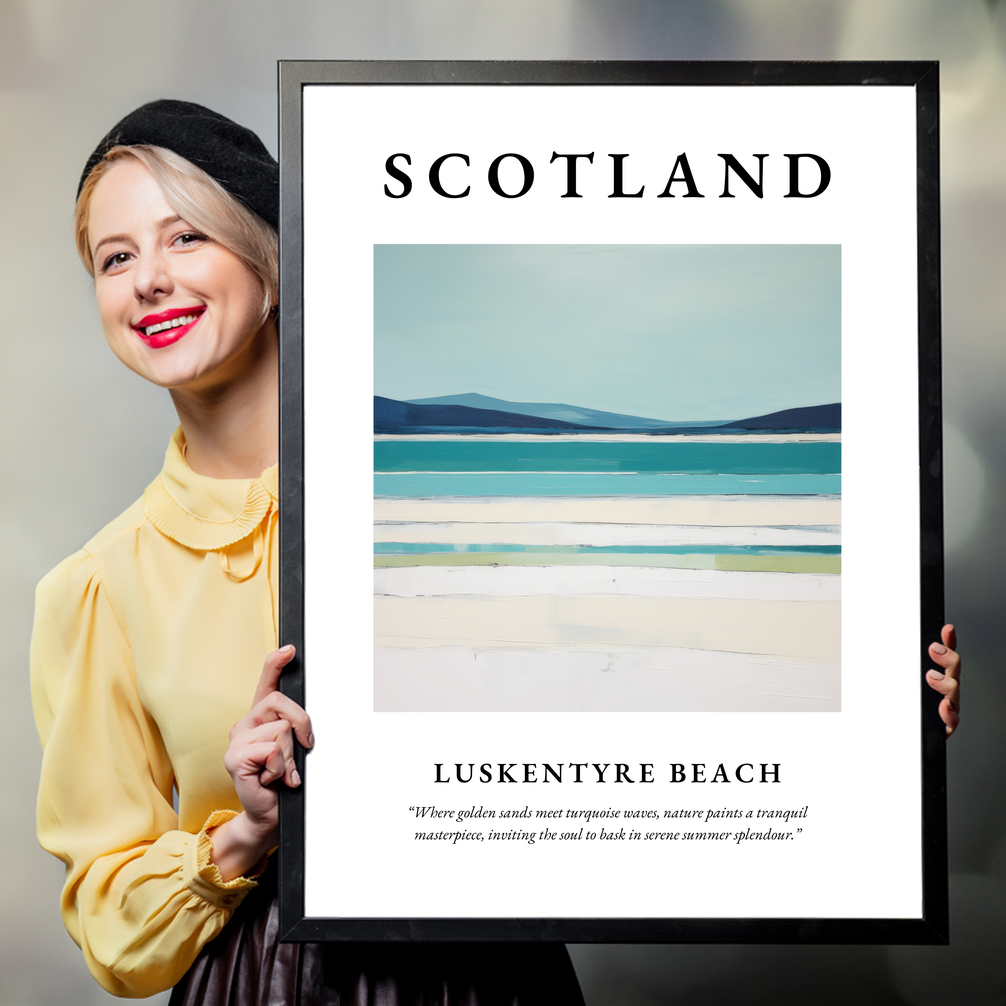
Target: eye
189	239
115	261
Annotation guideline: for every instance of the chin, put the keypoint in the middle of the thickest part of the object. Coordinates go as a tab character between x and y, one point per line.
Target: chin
175	374
194	379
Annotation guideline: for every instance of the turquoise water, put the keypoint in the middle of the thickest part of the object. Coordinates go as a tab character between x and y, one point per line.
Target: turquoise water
432	548
425	484
607	456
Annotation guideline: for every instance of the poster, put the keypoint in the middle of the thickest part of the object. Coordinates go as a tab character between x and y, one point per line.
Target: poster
608	583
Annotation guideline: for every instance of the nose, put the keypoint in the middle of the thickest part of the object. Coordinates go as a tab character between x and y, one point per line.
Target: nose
152	276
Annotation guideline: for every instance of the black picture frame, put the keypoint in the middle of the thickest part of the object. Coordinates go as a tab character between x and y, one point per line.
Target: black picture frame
931	927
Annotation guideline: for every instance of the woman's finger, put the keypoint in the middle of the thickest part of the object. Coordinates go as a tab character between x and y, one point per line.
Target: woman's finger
944	684
949	636
946	681
277	706
278	732
950	716
273	766
271	671
949	660
262	761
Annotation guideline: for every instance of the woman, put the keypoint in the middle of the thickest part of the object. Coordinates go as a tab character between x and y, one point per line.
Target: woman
148	643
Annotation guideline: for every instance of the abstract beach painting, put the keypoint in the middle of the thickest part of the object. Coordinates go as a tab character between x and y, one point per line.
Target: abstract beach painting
607	478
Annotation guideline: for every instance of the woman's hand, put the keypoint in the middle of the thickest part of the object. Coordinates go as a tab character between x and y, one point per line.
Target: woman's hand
260	754
948	681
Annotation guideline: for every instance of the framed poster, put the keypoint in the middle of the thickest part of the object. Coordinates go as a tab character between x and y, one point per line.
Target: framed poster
611	501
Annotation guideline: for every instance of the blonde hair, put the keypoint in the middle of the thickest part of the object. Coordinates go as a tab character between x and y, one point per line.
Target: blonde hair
199	200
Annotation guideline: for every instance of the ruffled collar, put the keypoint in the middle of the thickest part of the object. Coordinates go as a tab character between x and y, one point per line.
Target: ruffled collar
203	513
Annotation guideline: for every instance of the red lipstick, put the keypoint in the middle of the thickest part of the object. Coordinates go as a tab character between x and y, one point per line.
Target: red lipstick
166	327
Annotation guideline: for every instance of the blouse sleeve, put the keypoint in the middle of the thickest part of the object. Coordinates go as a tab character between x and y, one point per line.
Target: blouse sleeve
141	898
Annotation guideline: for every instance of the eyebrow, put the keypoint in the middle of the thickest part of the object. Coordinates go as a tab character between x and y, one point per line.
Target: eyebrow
111	238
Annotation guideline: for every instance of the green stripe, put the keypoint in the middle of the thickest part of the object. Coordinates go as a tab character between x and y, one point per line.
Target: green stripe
758	563
781	563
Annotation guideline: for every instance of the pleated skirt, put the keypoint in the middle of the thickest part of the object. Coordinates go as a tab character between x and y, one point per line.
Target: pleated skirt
246	965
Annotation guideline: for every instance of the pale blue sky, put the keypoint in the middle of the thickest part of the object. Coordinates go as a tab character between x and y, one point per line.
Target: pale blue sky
672	332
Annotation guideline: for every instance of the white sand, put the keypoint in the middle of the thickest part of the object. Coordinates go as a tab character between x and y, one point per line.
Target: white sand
803	630
568	533
609	679
702	511
580	581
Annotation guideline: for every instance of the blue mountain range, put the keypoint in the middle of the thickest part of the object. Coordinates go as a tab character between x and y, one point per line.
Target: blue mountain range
546	410
470	413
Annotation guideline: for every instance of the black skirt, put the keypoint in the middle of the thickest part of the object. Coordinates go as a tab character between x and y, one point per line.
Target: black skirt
246	965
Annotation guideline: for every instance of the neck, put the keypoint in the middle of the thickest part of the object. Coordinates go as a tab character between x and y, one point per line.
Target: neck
231	426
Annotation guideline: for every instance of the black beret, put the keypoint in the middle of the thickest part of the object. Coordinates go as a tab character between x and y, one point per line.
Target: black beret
231	154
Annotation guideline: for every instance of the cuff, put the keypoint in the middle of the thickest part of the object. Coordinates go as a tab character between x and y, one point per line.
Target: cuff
202	876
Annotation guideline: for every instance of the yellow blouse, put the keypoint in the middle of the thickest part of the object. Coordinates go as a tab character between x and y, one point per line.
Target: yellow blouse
147	647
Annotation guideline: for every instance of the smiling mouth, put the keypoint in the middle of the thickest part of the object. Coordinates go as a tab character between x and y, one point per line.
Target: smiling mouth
165	325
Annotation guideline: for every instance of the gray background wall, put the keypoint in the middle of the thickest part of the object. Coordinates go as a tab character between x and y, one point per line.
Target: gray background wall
82	436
